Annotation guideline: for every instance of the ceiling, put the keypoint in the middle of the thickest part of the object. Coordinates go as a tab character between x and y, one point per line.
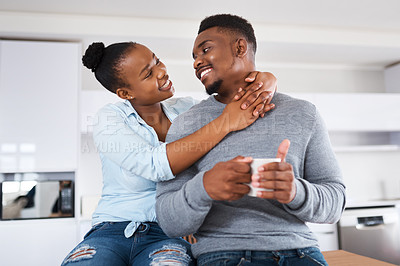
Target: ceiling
372	14
355	15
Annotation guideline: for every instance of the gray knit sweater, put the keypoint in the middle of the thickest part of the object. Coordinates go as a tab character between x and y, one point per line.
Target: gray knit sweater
184	207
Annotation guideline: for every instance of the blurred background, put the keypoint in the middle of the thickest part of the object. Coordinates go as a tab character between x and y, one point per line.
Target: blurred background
343	56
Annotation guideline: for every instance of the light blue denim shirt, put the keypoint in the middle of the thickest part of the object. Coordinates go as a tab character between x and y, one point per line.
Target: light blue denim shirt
133	160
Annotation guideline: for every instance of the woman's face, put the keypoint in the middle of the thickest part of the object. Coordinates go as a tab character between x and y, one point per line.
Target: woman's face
146	76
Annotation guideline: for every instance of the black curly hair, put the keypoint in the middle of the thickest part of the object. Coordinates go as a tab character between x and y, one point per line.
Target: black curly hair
236	24
105	63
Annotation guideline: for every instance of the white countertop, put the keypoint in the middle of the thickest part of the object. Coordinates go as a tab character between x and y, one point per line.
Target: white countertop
372	203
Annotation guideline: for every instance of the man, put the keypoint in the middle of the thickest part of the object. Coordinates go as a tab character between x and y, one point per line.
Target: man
209	199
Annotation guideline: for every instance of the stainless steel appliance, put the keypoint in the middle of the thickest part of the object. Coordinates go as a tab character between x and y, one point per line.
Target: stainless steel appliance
372	231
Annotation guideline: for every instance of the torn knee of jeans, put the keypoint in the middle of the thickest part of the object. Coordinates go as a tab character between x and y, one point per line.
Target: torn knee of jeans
83	252
173	254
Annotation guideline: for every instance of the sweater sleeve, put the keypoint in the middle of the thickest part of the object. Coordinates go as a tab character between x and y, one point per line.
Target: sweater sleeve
320	195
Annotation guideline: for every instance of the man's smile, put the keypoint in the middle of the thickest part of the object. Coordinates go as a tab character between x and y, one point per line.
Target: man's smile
203	72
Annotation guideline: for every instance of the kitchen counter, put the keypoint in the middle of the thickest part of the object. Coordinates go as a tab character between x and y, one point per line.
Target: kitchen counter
372	203
344	258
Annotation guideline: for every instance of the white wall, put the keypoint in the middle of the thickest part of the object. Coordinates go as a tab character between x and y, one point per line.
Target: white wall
392	80
90	167
371	175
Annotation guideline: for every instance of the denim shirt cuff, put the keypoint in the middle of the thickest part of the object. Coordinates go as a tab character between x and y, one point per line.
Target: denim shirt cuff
161	160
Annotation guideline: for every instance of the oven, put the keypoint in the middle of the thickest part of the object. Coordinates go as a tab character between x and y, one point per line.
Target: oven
372	231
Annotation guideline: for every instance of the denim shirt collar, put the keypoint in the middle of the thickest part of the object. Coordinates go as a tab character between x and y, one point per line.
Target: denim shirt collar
129	110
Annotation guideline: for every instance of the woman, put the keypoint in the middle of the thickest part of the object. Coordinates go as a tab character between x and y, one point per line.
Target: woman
130	136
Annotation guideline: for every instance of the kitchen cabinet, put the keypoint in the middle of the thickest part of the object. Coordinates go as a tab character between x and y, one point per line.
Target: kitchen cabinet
37	242
39	87
359	121
357	112
360	112
327	235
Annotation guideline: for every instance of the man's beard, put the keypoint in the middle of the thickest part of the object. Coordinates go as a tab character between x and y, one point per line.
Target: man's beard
213	88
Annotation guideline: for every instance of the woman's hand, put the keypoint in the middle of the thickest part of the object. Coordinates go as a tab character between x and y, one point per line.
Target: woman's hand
261	84
234	118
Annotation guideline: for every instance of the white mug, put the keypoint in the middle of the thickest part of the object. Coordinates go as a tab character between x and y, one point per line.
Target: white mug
254	166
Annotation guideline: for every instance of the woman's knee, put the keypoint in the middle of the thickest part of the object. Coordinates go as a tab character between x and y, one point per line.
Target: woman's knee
81	253
177	252
92	254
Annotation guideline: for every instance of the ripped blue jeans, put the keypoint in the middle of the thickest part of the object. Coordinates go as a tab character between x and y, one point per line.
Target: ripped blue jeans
105	244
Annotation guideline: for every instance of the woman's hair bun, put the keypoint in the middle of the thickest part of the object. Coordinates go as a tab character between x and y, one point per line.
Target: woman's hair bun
93	55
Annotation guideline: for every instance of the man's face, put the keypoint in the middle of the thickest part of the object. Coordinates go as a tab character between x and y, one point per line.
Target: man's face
214	59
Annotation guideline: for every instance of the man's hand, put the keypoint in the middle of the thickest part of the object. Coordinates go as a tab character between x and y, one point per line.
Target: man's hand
276	176
225	181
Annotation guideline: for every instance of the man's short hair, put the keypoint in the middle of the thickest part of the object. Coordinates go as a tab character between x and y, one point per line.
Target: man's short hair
231	22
